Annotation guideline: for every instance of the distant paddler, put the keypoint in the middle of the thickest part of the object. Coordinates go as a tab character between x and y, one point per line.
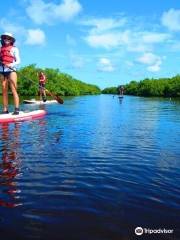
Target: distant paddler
42	82
121	91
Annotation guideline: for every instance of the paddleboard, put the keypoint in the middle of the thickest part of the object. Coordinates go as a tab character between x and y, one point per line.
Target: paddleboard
33	101
23	116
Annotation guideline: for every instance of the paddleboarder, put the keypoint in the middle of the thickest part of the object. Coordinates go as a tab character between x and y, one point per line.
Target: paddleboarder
42	82
121	90
9	59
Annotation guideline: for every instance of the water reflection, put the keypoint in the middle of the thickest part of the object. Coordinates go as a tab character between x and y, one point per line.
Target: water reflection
120	99
90	167
9	166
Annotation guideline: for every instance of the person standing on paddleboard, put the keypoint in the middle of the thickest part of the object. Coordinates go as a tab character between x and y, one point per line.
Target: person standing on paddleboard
9	59
121	90
42	82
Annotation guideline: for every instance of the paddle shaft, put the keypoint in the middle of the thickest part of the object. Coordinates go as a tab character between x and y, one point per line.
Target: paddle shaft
57	98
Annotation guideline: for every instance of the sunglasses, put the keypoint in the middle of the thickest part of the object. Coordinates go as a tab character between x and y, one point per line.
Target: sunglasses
7	38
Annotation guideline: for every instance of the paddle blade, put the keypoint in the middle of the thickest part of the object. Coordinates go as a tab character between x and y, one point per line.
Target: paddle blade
60	100
56	97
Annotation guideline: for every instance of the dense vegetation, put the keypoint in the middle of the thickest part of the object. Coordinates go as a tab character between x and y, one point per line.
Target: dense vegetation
163	87
57	82
65	85
110	90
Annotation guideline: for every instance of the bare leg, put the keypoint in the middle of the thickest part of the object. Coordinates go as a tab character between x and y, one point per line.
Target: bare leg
13	84
4	82
44	92
40	94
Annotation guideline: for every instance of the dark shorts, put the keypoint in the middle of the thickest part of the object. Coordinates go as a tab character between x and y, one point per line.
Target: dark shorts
6	74
41	86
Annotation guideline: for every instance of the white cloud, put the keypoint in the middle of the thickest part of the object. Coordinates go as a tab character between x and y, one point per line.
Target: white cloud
171	19
13	28
106	33
145	41
148	58
104	40
99	25
153	61
138	46
41	12
35	37
105	65
132	41
68	9
108	40
31	36
152	37
154	68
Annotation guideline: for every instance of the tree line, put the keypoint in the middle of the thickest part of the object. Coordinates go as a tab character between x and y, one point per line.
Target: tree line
65	85
162	87
57	82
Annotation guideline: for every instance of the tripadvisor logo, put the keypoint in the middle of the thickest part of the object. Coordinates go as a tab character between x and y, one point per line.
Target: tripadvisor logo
139	231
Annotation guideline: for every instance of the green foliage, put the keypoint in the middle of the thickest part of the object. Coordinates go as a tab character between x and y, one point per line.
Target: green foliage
110	90
163	87
57	82
131	88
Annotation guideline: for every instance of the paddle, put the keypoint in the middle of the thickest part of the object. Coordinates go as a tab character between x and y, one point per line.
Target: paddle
56	97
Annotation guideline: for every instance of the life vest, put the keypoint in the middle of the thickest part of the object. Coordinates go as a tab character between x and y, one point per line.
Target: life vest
42	78
6	56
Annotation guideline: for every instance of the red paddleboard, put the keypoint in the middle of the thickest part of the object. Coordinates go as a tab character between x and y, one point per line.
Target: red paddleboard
22	116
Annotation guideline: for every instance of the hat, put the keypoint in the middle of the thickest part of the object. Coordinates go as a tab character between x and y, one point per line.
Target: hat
8	35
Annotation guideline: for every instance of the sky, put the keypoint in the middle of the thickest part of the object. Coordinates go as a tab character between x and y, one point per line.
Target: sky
101	42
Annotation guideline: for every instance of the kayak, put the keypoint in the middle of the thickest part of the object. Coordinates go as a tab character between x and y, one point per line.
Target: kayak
22	116
33	101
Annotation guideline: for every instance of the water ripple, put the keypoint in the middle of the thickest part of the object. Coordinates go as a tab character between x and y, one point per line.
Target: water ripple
94	168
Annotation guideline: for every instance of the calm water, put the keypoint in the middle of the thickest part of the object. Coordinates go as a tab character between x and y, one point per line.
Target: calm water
94	168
